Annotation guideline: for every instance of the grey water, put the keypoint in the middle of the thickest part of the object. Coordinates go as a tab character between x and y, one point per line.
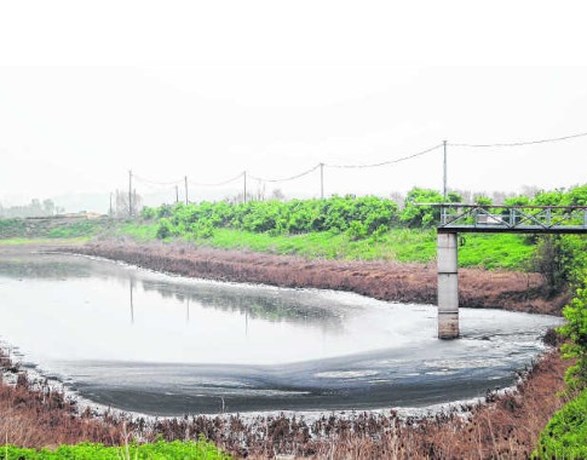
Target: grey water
159	344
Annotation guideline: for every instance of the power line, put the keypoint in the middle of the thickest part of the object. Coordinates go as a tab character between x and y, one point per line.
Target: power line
244	175
384	163
518	144
286	179
152	182
216	184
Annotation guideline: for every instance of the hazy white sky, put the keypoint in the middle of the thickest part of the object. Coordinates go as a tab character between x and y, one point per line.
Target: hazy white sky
89	90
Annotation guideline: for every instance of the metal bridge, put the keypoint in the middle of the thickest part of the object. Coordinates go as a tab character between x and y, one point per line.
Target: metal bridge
512	219
461	218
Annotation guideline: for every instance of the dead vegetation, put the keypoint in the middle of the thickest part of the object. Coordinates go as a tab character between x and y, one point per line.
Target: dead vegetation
40	416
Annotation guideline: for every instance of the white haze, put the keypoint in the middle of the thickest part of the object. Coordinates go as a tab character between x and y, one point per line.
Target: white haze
168	89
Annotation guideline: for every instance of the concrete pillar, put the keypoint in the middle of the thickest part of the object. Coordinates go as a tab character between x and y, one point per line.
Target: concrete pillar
448	286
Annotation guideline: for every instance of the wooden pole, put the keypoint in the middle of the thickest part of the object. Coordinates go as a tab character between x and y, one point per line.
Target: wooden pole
130	193
322	181
444	176
244	186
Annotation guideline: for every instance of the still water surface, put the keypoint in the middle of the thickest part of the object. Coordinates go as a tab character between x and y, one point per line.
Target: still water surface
159	344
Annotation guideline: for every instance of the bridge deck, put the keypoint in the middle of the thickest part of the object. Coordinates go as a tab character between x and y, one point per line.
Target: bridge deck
517	229
457	218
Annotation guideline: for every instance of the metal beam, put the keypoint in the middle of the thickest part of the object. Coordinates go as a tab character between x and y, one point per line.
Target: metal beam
511	219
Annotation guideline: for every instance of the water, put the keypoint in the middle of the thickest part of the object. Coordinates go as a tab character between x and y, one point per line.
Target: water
159	344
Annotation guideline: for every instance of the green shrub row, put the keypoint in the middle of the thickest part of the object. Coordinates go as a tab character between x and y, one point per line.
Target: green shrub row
359	217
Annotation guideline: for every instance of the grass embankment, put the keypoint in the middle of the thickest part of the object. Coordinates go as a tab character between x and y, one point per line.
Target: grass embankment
201	450
51	231
44	241
509	252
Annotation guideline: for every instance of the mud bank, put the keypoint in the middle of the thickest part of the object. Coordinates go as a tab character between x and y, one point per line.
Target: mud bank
407	283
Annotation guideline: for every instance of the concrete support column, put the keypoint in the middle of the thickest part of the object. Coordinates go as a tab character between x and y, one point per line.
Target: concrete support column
448	286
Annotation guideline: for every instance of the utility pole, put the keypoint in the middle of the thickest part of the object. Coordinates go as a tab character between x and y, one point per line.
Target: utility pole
176	194
110	212
444	179
244	186
129	193
322	181
186	189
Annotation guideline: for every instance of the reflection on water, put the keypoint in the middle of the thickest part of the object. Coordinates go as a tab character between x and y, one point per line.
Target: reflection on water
270	305
160	344
33	267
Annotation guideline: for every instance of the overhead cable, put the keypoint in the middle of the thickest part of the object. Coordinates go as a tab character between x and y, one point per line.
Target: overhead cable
152	182
216	184
385	163
285	179
518	144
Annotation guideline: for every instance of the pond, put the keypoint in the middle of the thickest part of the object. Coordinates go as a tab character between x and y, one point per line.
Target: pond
159	344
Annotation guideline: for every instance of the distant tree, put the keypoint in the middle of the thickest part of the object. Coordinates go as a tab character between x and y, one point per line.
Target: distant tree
48	207
259	194
529	190
122	210
277	194
397	197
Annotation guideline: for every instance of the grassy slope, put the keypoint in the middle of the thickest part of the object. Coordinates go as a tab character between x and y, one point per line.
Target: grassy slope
403	245
160	450
19	231
44	241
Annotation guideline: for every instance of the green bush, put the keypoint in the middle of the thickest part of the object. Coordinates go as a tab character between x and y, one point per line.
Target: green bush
565	435
165	228
575	329
12	227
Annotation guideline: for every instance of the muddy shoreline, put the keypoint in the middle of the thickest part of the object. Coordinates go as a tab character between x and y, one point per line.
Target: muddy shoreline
405	283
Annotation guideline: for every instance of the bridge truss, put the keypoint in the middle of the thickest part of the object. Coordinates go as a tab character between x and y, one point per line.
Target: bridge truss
458	218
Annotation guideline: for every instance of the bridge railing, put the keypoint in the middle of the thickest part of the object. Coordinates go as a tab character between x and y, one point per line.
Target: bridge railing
495	218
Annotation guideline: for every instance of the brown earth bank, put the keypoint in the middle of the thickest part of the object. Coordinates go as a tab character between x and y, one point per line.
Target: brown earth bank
506	426
407	283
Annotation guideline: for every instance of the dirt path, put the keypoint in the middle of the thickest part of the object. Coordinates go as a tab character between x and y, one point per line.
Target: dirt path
408	283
